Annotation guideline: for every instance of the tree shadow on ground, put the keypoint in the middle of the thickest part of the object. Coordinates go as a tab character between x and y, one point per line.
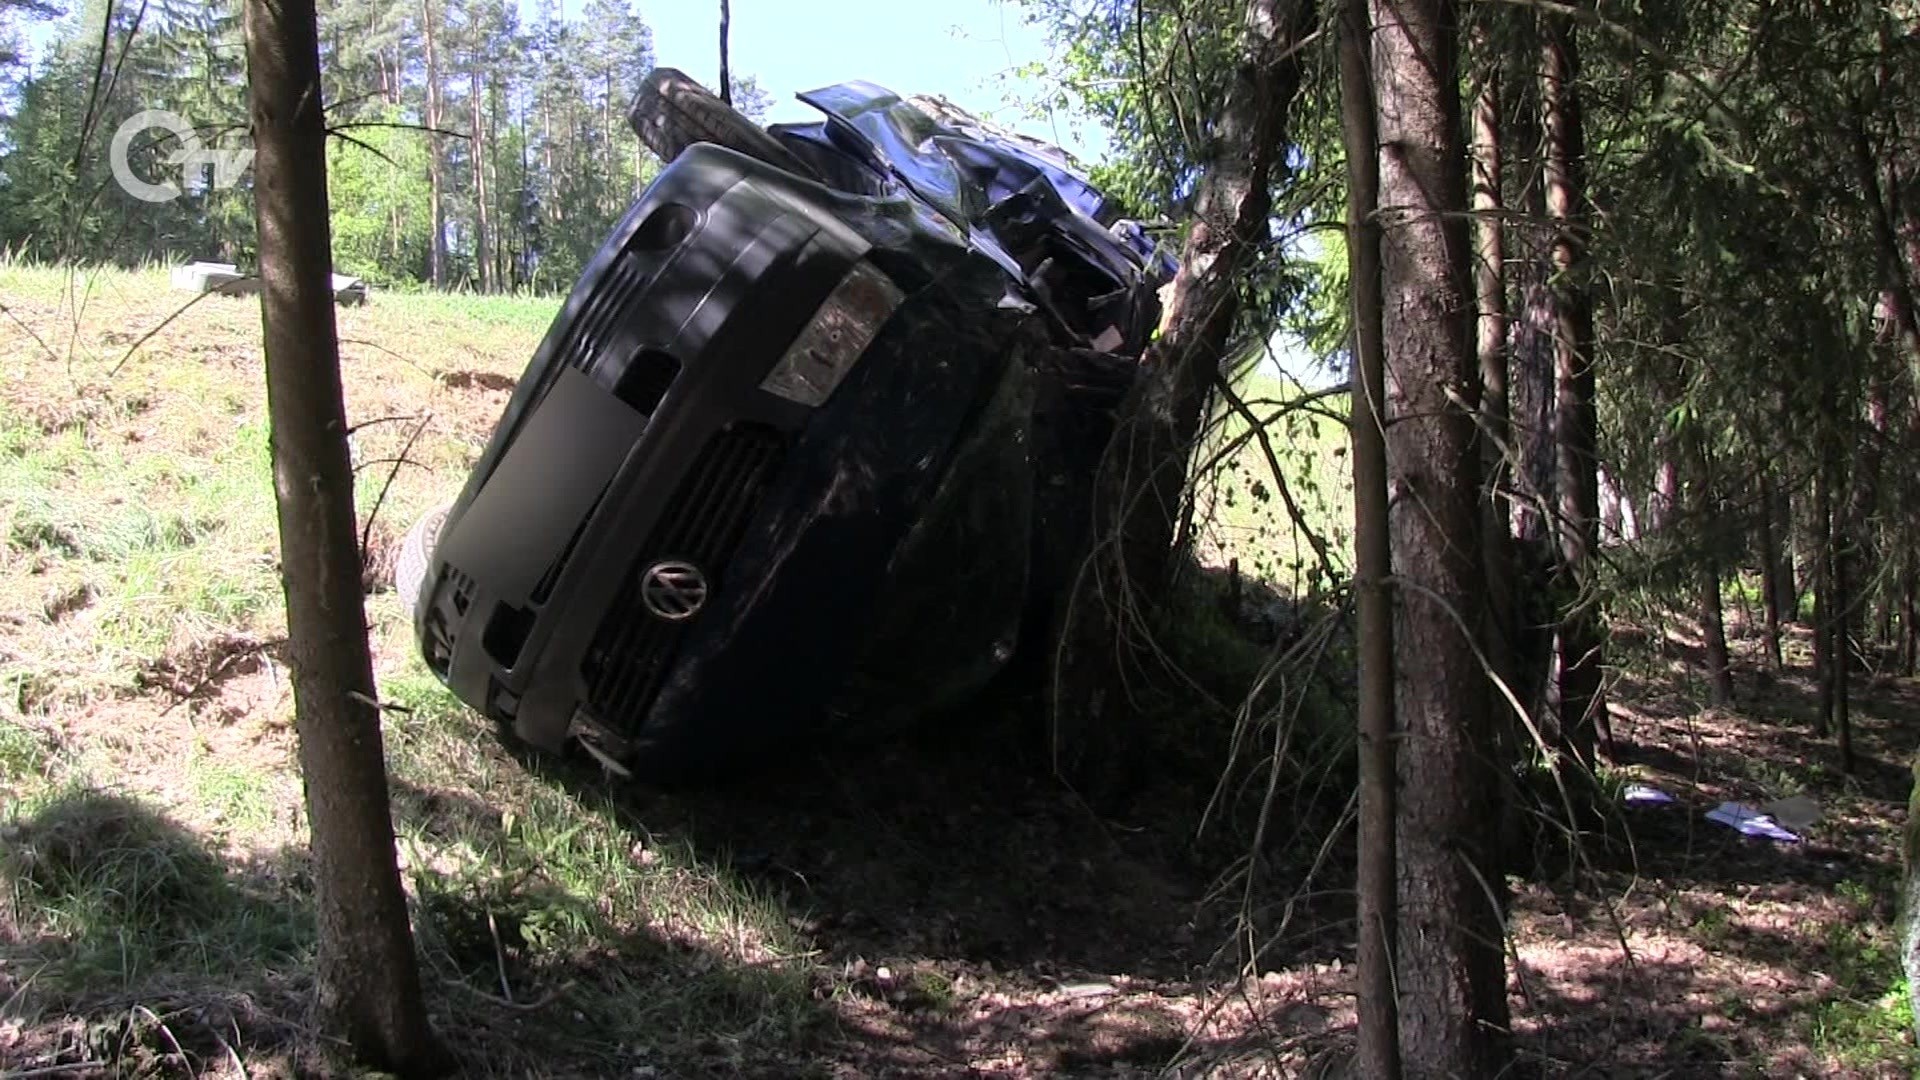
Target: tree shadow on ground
129	946
969	907
958	905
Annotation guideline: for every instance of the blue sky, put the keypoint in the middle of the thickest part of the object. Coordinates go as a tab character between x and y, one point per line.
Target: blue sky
965	50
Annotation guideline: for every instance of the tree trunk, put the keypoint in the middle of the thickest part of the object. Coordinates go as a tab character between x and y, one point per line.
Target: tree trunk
1141	483
1842	651
1713	626
1840	616
1379	1045
1490	292
1909	614
1450	967
1824	601
1581	638
726	75
1666	494
437	250
1769	542
501	238
1781	512
606	139
1713	631
368	978
476	152
1856	546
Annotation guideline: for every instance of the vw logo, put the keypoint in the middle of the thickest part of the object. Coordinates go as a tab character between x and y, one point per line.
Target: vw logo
673	590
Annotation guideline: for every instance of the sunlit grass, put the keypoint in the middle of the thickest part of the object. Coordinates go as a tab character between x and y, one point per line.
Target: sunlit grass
1243	514
138	529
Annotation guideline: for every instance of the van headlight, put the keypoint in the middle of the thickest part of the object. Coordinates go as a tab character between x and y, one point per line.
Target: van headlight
847	322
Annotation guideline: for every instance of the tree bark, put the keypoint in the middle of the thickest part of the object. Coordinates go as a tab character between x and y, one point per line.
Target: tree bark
1490	291
726	75
1713	625
1784	577
437	250
1769	543
368	978
476	152
1909	614
1450	967
1141	482
501	234
1856	547
1841	668
1825	480
1713	630
1379	1042
1581	637
1666	493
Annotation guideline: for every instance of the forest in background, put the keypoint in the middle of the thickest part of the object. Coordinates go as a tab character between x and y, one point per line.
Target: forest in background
503	137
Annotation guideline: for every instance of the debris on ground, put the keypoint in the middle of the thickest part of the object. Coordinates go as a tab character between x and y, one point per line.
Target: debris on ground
1751	822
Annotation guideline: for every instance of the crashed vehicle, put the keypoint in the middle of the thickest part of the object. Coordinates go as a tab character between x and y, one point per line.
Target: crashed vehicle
806	446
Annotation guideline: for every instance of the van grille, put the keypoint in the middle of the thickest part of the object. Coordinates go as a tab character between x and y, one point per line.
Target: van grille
703	523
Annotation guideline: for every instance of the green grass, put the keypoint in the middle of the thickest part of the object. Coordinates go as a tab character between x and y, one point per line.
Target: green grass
117	899
156	856
1867	1025
548	879
23	757
1245	516
525	314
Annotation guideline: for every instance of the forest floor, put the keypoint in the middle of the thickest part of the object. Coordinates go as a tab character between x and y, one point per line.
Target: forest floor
929	908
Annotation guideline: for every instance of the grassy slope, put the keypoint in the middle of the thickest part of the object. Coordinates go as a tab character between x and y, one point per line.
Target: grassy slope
140	698
922	914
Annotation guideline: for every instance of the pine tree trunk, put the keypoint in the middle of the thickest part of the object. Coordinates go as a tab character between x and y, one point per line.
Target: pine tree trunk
1713	629
1581	638
1713	625
1769	543
1910	614
1450	968
726	75
1379	1040
1781	512
1842	666
1840	618
367	974
608	161
1141	484
437	250
1531	420
1824	601
1490	292
496	271
1666	494
476	152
